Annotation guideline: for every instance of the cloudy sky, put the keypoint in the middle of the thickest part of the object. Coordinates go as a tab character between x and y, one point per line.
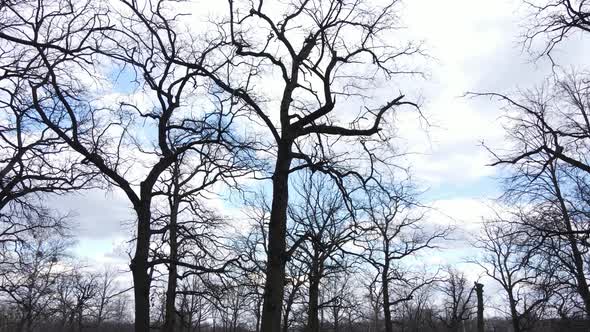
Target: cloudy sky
475	46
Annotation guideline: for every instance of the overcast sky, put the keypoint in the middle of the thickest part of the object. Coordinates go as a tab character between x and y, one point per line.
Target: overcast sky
475	46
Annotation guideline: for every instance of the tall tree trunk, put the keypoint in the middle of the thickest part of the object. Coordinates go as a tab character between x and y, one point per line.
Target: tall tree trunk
139	269
170	314
513	313
80	316
582	283
349	321
289	306
386	306
258	305
274	286
336	313
313	324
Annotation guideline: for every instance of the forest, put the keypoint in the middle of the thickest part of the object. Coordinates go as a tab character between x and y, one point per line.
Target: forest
262	153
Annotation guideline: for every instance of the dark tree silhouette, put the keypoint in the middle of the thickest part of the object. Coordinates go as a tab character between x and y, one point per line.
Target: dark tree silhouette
458	300
340	38
56	50
555	20
34	163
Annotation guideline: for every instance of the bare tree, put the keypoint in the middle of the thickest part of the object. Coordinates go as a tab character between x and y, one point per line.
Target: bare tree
418	313
189	228
550	122
253	249
549	133
76	291
195	307
55	47
313	71
392	231
109	296
27	281
373	296
34	164
457	301
513	260
555	20
324	226
339	300
297	271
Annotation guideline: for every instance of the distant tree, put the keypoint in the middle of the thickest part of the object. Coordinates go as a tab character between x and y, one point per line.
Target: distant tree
297	271
458	300
28	280
418	313
324	226
109	302
392	230
514	260
339	300
253	250
195	306
189	230
373	298
75	291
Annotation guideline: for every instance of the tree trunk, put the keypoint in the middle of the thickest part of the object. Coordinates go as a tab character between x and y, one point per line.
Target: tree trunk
258	305
274	286
514	313
582	284
386	307
349	321
80	316
313	324
479	292
139	270
288	307
170	314
336	313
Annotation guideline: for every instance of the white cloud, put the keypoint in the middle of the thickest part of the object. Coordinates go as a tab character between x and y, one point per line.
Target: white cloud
475	47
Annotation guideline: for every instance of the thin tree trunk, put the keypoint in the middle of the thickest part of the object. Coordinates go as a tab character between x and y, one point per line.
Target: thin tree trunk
313	324
336	313
258	314
170	315
582	283
287	311
80	316
386	307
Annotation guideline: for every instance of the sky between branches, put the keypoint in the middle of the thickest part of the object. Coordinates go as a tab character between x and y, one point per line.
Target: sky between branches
475	45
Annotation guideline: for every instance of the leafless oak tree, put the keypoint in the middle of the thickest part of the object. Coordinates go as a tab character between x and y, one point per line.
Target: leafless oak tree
393	230
56	47
317	50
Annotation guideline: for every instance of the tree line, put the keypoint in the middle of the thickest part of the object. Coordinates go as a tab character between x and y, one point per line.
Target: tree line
173	113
